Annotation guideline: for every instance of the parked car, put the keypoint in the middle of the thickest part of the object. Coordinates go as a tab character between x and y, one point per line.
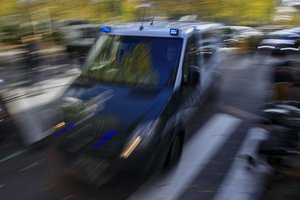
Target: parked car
78	39
283	41
71	22
241	36
130	108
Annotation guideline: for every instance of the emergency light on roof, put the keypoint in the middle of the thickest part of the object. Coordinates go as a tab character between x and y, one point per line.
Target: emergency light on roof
105	29
174	31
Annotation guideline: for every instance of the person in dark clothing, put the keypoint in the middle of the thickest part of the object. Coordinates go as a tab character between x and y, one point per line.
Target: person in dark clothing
282	79
31	59
283	72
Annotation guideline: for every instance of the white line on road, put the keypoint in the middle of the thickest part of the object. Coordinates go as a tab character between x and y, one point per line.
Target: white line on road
13	155
29	166
241	183
196	154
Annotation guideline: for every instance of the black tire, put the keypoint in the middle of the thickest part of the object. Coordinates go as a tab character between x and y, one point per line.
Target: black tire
215	93
174	152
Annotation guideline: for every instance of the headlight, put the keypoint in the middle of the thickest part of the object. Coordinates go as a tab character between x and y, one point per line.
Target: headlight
141	137
58	126
131	147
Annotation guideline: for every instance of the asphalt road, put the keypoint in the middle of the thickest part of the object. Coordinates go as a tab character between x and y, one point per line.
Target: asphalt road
217	133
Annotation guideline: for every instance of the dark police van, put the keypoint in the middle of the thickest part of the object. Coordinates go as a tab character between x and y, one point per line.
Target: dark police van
129	108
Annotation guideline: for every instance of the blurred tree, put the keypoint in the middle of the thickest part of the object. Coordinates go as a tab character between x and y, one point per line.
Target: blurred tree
8	7
242	12
128	11
231	11
228	11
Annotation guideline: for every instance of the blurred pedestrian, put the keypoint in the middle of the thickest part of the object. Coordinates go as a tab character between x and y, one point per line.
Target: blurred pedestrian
282	79
31	58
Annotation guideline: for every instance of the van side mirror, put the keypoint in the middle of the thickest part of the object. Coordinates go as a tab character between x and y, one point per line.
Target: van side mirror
194	75
2	83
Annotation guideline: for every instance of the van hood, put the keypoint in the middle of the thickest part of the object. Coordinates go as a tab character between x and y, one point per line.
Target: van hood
125	102
108	108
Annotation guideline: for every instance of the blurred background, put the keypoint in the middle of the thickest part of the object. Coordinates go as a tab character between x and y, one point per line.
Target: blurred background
47	17
43	45
51	20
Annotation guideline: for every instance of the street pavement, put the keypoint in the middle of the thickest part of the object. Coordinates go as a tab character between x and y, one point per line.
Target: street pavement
213	165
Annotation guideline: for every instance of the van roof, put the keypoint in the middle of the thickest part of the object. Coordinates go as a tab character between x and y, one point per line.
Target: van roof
161	28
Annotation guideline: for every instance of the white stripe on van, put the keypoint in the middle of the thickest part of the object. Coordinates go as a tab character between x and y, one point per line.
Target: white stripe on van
196	154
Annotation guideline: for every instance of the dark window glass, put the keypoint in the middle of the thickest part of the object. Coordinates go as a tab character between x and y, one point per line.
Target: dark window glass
190	57
149	61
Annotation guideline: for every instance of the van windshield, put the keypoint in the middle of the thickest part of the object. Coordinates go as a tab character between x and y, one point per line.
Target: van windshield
135	60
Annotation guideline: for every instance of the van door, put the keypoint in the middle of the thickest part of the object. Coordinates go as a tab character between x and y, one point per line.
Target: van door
208	55
190	91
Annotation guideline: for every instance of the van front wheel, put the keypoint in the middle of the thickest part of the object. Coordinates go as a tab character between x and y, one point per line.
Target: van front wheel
174	152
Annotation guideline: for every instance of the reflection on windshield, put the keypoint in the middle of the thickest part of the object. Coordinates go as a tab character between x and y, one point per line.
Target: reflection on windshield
133	60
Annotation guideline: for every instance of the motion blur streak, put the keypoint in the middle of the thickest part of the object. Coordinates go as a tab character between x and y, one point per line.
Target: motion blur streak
59	125
62	131
105	138
126	153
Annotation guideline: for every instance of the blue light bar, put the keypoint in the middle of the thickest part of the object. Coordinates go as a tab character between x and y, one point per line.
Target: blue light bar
174	31
105	138
64	130
105	29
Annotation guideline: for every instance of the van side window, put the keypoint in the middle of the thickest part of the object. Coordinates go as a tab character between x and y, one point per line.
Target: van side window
190	57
